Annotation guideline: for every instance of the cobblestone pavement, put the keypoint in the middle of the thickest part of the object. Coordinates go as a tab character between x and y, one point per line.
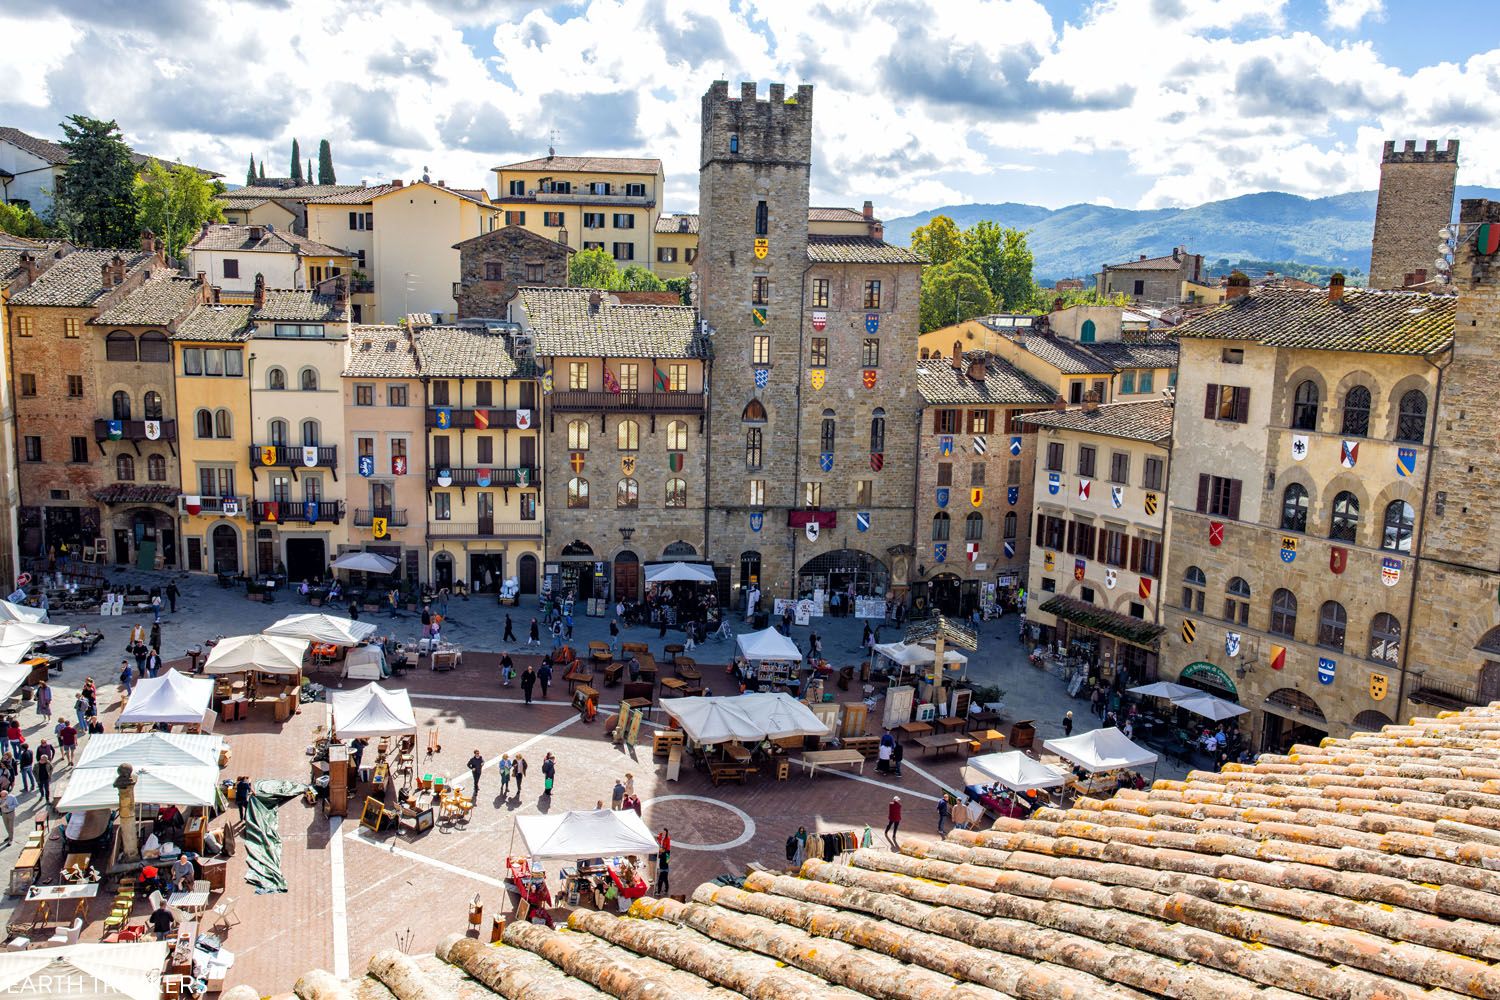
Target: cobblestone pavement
351	893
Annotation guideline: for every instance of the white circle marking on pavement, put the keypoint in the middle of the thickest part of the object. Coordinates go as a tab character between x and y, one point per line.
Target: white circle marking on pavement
743	838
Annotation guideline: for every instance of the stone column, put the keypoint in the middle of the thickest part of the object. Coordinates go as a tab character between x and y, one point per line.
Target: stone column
130	841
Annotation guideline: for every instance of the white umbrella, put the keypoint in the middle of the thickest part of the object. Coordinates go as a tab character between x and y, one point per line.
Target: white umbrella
1018	772
131	970
1210	707
366	562
597	833
1105	749
371	711
712	720
683	572
271	654
1166	689
331	629
779	716
173	697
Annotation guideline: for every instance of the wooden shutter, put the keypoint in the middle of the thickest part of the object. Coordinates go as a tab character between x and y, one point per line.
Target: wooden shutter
1234	499
937	421
1211	402
1242	404
1135	555
1102	550
1041	526
1068	544
1202	507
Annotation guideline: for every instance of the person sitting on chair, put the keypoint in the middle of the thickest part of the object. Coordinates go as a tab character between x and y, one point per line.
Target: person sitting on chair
183	873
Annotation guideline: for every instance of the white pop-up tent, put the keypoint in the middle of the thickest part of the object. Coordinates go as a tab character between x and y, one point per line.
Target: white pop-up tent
366	562
13	612
12	676
915	654
331	629
679	572
1105	749
170	769
597	833
1016	771
767	644
371	711
270	654
132	970
17	638
172	697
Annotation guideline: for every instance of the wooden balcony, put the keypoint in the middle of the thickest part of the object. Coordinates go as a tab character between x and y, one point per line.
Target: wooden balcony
238	506
395	517
484	529
464	419
573	400
291	456
498	477
297	512
134	431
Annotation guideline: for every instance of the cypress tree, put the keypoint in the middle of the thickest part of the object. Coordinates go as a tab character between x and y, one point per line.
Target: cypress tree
309	174
296	162
250	174
263	169
325	163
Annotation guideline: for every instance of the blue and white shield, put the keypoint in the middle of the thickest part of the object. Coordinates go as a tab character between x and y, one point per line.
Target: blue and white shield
942	496
1054	482
1288	549
825	461
1117	496
1010	549
762	377
940	551
1015	445
1406	462
945	444
756	520
367	465
862	520
311	511
1013	495
483	477
872	322
1326	668
1231	644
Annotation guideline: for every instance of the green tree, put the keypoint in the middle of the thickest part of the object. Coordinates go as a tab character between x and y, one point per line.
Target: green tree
296	162
262	169
19	220
309	174
96	206
325	163
939	241
592	269
250	174
683	286
636	278
953	292
173	202
1005	260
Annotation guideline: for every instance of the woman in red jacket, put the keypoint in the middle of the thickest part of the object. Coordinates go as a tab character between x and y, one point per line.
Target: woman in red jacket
893	822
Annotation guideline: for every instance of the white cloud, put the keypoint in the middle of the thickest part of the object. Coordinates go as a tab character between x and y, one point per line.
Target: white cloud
1346	15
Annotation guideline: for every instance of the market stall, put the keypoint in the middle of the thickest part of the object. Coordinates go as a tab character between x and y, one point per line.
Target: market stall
13	612
269	669
773	658
1006	784
607	847
904	657
330	630
17	638
366	663
371	712
172	698
12	676
132	970
1101	752
681	592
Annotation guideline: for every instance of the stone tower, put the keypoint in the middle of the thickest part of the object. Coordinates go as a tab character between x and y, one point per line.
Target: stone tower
1416	200
753	186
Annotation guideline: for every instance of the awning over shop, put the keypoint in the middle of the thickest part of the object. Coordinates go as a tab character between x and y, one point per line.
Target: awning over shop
1085	615
366	562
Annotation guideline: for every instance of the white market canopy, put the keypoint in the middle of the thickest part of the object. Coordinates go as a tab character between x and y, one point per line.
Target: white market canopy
1166	689
271	654
748	718
17	637
331	629
597	833
1018	772
172	697
1104	749
371	711
780	716
680	572
12	676
159	785
11	611
130	970
1209	706
767	644
366	562
108	750
915	654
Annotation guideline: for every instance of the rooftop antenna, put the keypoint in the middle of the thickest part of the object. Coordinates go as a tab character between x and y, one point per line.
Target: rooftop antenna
551	144
426	176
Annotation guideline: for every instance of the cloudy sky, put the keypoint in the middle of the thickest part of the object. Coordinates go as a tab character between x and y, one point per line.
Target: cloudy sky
919	103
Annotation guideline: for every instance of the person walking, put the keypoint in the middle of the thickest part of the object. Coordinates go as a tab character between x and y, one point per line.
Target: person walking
617	797
44	700
544	675
630	786
476	766
663	881
557	634
528	680
1068	724
535	637
172	594
897	753
568	626
507	669
510	631
67	738
242	793
155	641
893	821
945	813
518	771
153	663
549	774
42	770
81	709
504	768
614	638
883	758
24	761
127	676
8	805
156	609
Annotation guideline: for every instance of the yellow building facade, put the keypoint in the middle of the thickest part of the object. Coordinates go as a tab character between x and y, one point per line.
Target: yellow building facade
588	202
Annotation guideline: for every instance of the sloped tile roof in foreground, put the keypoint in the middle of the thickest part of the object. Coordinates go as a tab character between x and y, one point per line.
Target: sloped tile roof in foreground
1360	868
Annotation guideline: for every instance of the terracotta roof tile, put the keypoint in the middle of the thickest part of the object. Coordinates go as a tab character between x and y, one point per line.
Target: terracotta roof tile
1374	322
1143	420
354	196
1067	356
816	214
380	352
299	305
75	279
941	383
215	322
465	352
588	164
858	250
159	301
41	148
564	325
1123	354
300	192
679	222
231	236
1164	263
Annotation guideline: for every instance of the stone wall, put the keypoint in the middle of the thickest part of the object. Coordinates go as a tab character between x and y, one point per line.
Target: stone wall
514	249
1415	201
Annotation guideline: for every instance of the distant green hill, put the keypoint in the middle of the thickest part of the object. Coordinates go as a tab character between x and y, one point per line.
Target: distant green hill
1075	240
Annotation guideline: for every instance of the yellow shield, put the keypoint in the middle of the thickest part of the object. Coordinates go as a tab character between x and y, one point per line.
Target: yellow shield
762	247
1189	630
627	465
976	496
818	376
268	455
1048	562
379	526
1379	683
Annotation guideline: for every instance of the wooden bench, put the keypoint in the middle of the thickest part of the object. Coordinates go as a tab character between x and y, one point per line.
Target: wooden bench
814	759
722	771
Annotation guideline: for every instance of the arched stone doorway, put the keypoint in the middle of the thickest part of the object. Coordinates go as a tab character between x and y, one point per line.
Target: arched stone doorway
1291	717
442	570
527	567
224	541
627	577
847	572
1207	677
1370	721
578	576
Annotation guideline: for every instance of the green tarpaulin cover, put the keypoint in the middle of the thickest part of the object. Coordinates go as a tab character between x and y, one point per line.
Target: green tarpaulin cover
261	837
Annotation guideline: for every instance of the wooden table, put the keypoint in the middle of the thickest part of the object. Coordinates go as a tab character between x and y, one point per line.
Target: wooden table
950	724
983	720
27	866
581	696
736	752
643	705
612	672
912	730
721	771
944	741
671	650
989	739
578	677
673	687
814	759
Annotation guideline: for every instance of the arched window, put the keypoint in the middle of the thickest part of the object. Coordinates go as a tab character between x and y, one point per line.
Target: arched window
755	412
627	493
628	435
308	379
1345	517
677	436
974	527
1411	419
1399	521
877	430
1294	508
1193	585
1284	613
1087	332
926	354
1357	412
1305	407
829	431
119	346
1333	622
1237	601
1010	524
152	405
156	468
752	448
676	492
154	346
762	219
124	468
280	432
203	424
275	378
578	435
223	425
1385	638
120	405
578	493
310	434
940	522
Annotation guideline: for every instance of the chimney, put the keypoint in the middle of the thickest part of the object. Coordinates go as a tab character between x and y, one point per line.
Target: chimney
1143	257
117	265
341	292
442	184
1057	304
594	301
958	356
869	211
148	241
257	233
1177	253
1239	285
1335	286
877	231
217	293
260	290
1090	401
28	267
1059	405
397	183
203	277
977	366
1418	277
106	275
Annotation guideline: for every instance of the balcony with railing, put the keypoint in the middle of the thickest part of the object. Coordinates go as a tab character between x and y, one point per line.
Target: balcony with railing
292	456
629	402
361	286
580	198
135	430
225	506
484	529
493	419
395	517
297	511
524	476
1447	693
